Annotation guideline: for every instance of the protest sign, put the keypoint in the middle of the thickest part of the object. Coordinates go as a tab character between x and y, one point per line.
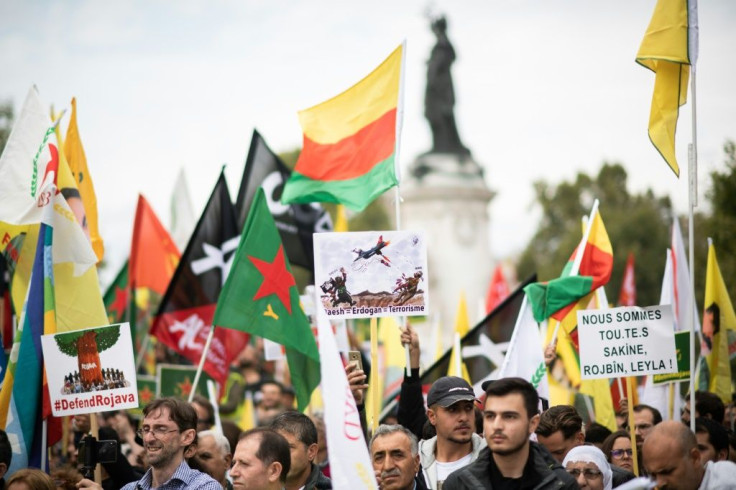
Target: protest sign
682	345
371	274
90	370
146	392
175	380
626	341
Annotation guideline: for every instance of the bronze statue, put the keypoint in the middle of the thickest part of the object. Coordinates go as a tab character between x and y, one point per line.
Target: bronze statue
439	98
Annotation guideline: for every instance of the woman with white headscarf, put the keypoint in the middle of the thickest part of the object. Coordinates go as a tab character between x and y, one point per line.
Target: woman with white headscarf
588	465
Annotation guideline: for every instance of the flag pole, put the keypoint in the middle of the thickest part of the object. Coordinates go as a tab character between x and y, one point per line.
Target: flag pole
402	319
201	363
692	203
142	352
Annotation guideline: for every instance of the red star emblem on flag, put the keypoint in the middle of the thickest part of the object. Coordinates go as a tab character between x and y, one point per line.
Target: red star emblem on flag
120	303
276	278
185	387
145	395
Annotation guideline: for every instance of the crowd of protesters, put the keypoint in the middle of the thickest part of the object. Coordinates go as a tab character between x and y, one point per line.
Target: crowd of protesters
454	440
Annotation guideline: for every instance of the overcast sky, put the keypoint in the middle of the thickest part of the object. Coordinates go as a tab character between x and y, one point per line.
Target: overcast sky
544	89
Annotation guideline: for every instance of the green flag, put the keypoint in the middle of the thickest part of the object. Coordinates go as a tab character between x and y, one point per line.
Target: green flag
260	297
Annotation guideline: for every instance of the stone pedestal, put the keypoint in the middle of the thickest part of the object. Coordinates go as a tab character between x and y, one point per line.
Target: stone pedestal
445	195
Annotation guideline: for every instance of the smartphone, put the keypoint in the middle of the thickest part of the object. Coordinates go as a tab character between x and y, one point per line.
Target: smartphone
354	358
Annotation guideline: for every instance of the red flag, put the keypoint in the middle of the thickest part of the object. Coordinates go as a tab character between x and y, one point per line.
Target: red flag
627	295
153	254
498	290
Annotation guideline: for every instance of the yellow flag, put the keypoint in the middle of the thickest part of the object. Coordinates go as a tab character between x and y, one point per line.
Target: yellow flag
462	326
77	160
78	299
341	220
718	318
668	49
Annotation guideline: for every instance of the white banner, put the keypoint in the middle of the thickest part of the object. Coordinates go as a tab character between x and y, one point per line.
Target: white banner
626	341
350	462
90	370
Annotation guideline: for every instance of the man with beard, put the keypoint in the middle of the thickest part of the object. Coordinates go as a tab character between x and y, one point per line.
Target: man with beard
169	428
451	411
510	416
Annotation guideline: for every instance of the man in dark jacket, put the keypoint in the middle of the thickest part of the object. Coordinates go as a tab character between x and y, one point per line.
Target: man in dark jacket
511	460
301	434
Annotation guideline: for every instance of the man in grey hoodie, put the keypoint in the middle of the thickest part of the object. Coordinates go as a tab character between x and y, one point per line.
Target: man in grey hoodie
451	412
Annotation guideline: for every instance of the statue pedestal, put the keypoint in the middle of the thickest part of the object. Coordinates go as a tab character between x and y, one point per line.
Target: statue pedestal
445	196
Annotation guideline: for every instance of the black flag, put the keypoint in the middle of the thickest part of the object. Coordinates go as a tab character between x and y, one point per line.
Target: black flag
296	222
185	314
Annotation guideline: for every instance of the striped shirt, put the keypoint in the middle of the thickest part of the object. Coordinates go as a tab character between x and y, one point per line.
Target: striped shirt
183	478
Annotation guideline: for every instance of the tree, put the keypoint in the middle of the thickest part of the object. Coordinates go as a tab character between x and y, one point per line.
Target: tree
86	346
638	223
720	225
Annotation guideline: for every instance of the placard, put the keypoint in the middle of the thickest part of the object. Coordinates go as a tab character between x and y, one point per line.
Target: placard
626	341
90	370
371	274
176	380
682	345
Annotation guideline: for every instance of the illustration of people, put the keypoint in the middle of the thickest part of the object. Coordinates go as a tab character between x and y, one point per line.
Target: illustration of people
407	287
337	289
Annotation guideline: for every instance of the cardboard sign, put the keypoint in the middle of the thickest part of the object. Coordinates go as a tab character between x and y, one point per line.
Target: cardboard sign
626	341
176	380
90	370
371	274
682	344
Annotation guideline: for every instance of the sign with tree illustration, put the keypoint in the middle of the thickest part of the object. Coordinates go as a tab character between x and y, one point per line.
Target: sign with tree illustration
90	370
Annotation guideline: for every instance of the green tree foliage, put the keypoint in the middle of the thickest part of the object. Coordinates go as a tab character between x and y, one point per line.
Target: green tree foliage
6	123
106	338
638	223
720	225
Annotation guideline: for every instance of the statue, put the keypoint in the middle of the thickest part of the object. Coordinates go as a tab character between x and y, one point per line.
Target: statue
439	98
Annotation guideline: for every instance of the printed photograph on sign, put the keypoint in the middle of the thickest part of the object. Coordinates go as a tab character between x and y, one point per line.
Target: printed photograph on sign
90	370
371	273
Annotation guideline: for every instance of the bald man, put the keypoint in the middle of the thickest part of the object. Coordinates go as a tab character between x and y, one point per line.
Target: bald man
672	459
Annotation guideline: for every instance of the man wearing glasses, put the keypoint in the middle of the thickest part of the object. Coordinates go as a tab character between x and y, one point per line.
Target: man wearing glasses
169	427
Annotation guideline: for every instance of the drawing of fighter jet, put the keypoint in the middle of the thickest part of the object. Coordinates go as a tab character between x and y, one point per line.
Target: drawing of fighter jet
373	252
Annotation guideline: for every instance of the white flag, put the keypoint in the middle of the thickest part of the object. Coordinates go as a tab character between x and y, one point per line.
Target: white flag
28	168
182	212
350	463
525	354
681	297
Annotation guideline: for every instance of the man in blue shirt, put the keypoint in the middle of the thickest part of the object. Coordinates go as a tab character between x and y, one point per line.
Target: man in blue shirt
169	427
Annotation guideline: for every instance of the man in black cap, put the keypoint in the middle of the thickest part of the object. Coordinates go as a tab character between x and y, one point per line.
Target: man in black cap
451	412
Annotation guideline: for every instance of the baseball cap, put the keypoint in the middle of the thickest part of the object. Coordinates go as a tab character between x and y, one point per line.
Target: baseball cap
449	390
